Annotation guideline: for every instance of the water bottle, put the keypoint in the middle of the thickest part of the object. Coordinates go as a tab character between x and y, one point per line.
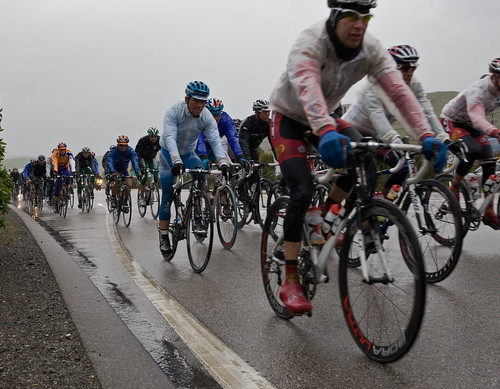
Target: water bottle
331	219
490	183
394	192
314	220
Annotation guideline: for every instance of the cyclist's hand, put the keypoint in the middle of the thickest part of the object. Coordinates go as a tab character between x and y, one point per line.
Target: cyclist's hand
244	163
226	170
138	175
177	168
331	146
431	145
206	164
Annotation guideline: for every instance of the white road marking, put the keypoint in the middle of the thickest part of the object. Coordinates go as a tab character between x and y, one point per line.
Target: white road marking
227	368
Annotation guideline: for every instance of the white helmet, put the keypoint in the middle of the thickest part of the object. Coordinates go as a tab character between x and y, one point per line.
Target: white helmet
404	54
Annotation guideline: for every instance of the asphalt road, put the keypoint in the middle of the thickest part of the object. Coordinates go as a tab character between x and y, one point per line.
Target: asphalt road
217	329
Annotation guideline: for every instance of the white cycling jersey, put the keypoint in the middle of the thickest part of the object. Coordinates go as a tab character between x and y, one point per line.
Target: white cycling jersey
374	116
181	131
316	80
471	106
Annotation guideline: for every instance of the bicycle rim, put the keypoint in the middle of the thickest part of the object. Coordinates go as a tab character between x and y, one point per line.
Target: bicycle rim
272	263
383	316
141	208
154	200
127	199
199	231
227	223
440	237
243	212
464	203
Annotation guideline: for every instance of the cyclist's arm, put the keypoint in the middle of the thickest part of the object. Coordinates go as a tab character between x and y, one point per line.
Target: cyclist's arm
245	140
477	114
201	148
168	138
229	131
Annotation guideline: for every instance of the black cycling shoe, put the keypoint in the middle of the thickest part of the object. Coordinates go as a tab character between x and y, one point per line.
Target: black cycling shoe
165	247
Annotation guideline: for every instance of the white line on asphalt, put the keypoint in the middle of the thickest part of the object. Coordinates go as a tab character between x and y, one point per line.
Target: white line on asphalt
224	364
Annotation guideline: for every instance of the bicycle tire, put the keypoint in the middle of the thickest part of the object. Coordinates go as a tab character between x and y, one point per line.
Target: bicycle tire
141	208
117	209
126	200
384	315
40	199
441	234
154	200
243	210
199	231
86	200
260	210
227	226
175	227
272	263
465	201
71	197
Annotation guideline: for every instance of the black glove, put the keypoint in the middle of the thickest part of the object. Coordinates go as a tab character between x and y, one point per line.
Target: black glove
177	168
226	171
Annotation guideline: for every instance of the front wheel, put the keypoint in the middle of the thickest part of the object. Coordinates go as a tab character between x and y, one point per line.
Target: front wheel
438	223
141	208
154	200
226	210
383	300
126	206
199	231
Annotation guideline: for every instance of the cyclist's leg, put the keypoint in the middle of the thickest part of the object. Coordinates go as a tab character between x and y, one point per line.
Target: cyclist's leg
490	217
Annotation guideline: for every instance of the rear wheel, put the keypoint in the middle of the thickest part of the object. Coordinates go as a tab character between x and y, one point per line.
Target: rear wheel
383	300
199	231
272	256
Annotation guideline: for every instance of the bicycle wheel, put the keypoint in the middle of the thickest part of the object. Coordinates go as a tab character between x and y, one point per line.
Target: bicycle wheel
320	194
40	199
260	211
154	200
91	191
243	210
440	231
272	256
108	203
383	307
71	195
469	220
227	216
199	231
87	201
126	206
141	208
117	210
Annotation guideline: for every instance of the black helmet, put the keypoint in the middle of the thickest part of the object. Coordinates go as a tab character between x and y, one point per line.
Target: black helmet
41	158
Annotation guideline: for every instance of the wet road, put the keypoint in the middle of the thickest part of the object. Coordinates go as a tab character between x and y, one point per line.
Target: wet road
458	345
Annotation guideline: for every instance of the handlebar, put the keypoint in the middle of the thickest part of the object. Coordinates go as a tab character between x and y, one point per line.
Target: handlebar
178	179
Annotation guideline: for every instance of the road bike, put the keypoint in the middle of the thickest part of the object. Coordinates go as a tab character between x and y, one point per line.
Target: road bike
435	215
123	206
252	194
87	193
64	197
35	200
382	299
192	220
150	197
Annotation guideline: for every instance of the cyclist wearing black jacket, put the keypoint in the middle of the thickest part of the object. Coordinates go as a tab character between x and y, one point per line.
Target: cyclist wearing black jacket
146	149
85	164
254	129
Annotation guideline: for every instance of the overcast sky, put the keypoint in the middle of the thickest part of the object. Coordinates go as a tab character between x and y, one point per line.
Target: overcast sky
86	71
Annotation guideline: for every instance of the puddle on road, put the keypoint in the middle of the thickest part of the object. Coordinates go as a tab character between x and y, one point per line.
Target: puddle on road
165	354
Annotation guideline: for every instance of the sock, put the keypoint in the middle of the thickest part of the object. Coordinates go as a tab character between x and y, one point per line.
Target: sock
291	275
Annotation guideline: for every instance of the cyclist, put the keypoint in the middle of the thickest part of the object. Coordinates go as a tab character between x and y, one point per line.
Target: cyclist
464	117
25	186
106	169
37	173
117	161
325	61
85	164
16	179
147	147
63	165
374	116
183	123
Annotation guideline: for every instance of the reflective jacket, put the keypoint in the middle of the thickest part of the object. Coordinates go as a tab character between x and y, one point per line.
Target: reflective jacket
471	106
316	79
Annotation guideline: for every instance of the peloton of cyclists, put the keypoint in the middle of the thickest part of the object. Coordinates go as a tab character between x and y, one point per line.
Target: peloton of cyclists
147	147
331	50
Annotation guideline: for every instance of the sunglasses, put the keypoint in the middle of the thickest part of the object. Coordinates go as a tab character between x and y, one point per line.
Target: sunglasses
352	15
408	68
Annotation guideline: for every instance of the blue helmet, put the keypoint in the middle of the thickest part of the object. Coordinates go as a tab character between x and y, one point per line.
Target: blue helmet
197	89
215	106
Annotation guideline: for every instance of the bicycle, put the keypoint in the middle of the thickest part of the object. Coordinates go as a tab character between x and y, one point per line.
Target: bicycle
151	196
64	198
87	193
383	299
252	197
35	200
435	215
123	202
194	220
472	214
